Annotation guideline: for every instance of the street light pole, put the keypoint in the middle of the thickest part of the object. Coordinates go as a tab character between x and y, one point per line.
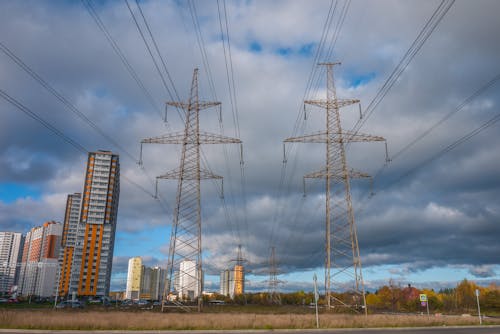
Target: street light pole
478	307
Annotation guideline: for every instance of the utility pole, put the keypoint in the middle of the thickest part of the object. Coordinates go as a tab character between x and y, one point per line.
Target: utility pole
273	293
342	260
185	256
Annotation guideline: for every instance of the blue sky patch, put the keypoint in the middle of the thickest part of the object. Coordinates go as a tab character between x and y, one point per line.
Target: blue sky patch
304	50
101	92
361	79
307	49
143	242
255	47
10	192
284	51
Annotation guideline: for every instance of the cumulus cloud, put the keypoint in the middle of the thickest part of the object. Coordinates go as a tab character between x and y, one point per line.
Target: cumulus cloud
442	214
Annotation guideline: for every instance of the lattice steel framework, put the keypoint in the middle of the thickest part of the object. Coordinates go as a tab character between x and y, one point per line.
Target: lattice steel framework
342	261
184	268
273	289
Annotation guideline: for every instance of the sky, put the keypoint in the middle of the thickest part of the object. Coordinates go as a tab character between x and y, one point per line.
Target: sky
434	215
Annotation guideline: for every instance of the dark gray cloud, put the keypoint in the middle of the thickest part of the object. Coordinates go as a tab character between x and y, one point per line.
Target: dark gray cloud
445	213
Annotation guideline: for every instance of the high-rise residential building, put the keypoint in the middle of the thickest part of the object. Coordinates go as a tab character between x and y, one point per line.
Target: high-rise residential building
239	280
144	282
134	278
224	282
11	244
95	231
188	280
146	276
39	262
68	240
157	283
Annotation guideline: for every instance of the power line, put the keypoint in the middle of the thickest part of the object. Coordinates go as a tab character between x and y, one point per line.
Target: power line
201	46
158	50
119	53
234	104
492	121
301	118
333	42
62	99
72	108
39	119
478	92
157	67
62	135
429	27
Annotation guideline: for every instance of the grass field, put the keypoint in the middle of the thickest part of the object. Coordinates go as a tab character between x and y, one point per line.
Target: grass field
110	319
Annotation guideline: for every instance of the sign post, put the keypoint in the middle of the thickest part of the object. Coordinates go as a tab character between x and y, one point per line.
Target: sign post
425	302
478	307
316	296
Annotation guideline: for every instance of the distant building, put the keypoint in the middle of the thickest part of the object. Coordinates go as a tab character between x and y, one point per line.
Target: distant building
177	281
232	282
146	277
157	283
144	282
38	275
239	280
11	245
68	240
224	282
188	281
134	278
117	295
95	232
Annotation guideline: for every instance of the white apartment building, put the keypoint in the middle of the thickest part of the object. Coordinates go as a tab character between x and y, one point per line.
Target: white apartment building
11	244
188	281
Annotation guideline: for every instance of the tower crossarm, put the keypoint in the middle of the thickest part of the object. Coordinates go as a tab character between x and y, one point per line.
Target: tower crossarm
180	138
176	174
344	137
336	175
195	105
331	104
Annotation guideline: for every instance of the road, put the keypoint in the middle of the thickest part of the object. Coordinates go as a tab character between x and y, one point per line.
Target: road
426	330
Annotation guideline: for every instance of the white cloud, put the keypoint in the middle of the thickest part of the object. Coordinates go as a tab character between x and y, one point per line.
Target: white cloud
62	43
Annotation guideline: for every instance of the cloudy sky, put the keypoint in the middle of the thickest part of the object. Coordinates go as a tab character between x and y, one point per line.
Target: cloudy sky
435	213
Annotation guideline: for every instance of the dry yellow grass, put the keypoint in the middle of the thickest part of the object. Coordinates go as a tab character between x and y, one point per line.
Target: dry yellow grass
92	320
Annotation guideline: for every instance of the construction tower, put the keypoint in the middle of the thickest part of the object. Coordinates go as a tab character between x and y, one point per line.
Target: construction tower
184	266
342	261
273	293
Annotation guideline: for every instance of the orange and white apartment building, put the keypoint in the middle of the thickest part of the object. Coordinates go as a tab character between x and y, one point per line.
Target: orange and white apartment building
40	260
89	230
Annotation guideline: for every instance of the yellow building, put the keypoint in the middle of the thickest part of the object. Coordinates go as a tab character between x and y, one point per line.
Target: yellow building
134	278
239	280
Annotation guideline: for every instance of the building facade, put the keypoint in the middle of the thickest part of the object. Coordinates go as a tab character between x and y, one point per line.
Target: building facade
144	282
224	282
39	264
239	280
188	281
11	245
95	231
158	276
134	278
68	241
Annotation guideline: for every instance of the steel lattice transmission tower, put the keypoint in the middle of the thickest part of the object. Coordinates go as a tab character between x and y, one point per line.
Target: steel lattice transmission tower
273	291
184	266
342	262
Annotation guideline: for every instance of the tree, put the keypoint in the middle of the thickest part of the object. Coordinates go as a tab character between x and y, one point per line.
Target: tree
465	294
